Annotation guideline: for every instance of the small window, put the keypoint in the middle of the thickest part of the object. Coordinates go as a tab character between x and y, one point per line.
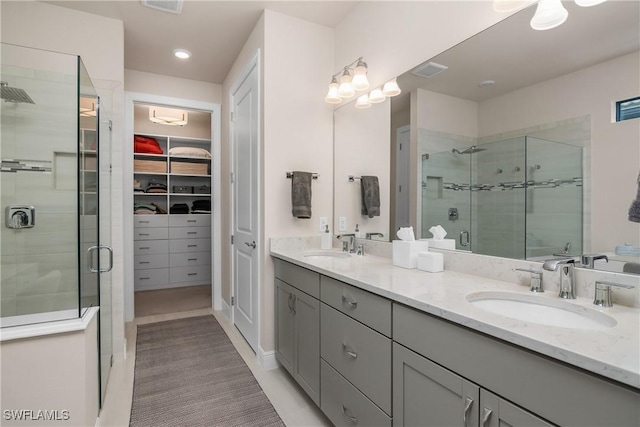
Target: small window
628	109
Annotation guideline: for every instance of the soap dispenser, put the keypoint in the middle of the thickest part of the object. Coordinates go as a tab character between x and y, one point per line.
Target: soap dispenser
358	233
326	238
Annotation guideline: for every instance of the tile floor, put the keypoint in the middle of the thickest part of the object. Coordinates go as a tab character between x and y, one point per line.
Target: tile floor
293	406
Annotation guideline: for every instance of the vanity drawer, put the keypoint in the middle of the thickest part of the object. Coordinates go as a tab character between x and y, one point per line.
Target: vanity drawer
190	220
306	280
148	247
189	258
372	310
151	261
360	354
189	232
344	405
150	233
197	273
150	278
145	221
189	245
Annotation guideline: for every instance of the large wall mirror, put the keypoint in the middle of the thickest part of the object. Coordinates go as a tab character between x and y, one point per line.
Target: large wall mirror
513	142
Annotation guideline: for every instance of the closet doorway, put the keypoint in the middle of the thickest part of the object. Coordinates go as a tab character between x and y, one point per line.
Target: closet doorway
172	226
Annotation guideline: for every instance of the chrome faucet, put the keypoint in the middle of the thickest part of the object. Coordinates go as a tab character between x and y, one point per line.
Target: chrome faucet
370	235
602	297
348	245
589	260
567	276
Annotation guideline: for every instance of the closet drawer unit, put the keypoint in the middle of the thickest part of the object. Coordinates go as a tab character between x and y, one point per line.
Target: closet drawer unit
190	221
150	233
141	221
306	280
189	232
189	245
344	405
372	310
151	277
360	354
148	247
189	258
151	261
197	273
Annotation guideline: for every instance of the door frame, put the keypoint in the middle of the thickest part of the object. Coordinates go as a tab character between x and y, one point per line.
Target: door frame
253	63
132	98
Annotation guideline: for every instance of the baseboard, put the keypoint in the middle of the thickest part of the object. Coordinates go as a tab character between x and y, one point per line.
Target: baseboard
226	309
267	359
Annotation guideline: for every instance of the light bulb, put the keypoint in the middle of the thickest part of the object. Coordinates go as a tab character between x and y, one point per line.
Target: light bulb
360	81
363	101
391	88
376	96
589	3
182	53
332	96
549	14
510	5
345	90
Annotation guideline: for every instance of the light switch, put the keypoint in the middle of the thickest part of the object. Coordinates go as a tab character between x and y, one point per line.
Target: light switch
342	223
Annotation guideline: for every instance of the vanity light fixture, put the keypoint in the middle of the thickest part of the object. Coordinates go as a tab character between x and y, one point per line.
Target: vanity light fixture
549	13
391	88
349	83
376	96
345	90
363	101
181	53
168	116
332	96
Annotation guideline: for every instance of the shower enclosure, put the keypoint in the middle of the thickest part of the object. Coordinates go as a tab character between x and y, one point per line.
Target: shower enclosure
55	194
517	198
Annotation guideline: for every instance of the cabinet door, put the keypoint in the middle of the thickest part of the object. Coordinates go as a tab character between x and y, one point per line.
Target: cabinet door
497	412
284	325
307	344
426	394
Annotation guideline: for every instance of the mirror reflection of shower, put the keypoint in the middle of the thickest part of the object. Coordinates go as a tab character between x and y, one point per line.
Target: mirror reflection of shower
471	150
12	94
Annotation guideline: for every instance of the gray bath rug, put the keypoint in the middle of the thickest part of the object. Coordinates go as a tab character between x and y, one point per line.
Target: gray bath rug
188	373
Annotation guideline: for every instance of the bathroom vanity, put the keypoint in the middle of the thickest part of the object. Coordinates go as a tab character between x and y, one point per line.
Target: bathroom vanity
374	344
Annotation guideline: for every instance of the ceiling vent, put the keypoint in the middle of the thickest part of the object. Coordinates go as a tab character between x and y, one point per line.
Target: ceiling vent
171	6
429	69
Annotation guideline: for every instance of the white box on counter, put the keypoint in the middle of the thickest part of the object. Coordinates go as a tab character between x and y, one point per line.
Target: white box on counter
432	262
405	253
442	244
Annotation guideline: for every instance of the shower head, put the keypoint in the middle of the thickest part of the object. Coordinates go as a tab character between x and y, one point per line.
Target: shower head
11	94
471	150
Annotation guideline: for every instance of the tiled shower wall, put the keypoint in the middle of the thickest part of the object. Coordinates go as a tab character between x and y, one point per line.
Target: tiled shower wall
39	264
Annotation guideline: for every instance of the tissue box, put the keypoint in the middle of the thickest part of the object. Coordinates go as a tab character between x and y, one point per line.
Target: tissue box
432	262
442	244
405	254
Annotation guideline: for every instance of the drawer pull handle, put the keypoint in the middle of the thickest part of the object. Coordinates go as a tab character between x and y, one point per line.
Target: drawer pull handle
467	409
192	246
143	222
192	259
191	220
144	262
145	278
352	303
143	234
351	418
486	414
349	351
144	247
192	274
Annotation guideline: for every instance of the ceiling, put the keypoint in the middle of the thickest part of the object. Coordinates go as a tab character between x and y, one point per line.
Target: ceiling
214	31
514	55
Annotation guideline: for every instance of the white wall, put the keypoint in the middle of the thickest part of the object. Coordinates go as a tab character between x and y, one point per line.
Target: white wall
615	152
100	43
174	87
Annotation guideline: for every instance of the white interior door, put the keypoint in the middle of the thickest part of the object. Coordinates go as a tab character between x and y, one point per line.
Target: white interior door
402	178
244	137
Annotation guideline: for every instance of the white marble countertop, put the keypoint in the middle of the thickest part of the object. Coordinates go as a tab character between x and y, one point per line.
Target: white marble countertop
612	352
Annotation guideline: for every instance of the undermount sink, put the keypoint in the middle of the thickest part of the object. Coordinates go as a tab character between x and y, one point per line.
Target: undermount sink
326	254
540	310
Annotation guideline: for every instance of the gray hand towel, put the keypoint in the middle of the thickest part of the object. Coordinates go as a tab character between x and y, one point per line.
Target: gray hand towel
301	194
634	210
370	196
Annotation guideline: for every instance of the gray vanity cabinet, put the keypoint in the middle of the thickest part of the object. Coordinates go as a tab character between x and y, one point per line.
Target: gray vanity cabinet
298	325
497	412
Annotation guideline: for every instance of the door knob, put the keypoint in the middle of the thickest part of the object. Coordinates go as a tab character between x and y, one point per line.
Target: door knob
252	244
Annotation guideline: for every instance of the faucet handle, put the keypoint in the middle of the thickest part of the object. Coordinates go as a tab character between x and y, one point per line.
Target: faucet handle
602	297
536	279
588	260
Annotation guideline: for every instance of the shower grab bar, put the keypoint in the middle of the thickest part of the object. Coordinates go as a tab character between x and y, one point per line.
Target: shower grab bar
90	259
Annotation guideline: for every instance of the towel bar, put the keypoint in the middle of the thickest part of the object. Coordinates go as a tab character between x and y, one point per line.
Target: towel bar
313	175
353	178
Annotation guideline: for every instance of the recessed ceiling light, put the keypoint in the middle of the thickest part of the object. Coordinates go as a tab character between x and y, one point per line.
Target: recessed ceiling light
487	83
182	53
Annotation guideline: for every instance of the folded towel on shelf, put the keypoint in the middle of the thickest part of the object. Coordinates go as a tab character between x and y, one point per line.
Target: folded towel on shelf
156	186
140	209
370	189
201	206
634	210
301	194
179	208
146	145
